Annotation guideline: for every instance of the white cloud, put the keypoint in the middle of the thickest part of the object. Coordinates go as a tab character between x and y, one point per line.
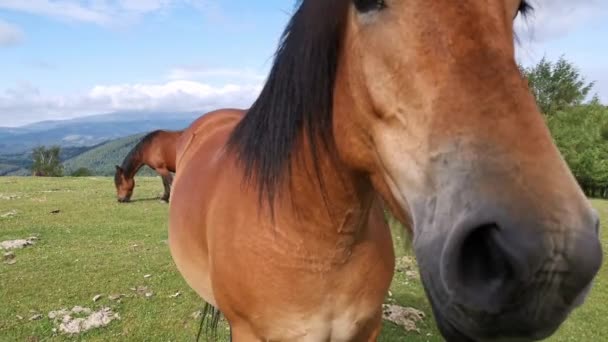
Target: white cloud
545	34
9	34
202	73
25	103
553	19
63	9
103	12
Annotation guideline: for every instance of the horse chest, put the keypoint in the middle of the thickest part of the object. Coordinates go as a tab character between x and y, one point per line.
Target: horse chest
335	324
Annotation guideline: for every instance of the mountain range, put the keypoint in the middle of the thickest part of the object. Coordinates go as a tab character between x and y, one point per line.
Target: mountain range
81	135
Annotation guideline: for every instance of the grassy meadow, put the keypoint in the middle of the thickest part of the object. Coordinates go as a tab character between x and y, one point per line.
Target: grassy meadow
88	245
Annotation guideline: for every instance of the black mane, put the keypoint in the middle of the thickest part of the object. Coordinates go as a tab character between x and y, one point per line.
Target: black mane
297	99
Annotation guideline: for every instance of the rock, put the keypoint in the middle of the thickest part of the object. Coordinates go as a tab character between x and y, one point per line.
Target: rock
143	291
116	296
55	314
16	244
140	289
35	317
402	316
96	298
19	317
80	309
75	325
147	276
412	274
9	214
10	262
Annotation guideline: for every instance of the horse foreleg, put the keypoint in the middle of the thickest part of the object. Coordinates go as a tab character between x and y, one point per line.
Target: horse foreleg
375	328
167	178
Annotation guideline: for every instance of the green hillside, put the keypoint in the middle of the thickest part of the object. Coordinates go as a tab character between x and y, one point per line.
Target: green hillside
102	159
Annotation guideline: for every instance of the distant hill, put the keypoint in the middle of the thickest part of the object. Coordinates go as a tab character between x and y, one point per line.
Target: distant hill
88	131
102	133
102	159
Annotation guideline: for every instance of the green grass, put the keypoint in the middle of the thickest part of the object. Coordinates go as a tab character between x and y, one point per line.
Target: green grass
89	248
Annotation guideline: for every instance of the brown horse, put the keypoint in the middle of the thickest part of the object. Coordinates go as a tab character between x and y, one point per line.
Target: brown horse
157	150
276	219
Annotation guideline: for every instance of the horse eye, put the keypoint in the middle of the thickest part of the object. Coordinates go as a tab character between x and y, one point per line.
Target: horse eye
364	6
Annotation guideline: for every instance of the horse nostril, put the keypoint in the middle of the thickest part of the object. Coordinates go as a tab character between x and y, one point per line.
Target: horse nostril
483	266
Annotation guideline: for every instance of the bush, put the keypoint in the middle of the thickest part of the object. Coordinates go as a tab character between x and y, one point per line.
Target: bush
82	172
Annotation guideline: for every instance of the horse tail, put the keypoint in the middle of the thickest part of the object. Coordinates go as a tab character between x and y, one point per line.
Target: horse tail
210	319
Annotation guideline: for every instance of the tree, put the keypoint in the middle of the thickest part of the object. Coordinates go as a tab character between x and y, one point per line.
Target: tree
580	133
46	161
556	86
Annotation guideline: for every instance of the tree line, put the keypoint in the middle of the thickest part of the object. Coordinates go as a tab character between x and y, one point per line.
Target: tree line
578	122
577	119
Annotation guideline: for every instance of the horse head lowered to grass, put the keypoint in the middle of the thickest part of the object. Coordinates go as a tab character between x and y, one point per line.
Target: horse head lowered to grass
276	217
156	150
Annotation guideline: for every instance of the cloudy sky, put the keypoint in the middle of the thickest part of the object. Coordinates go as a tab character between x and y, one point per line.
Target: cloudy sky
65	58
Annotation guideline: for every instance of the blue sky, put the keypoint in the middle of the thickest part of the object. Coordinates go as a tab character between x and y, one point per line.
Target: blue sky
65	58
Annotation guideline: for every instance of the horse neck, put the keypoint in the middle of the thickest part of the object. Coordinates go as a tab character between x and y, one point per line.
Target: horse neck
339	204
133	163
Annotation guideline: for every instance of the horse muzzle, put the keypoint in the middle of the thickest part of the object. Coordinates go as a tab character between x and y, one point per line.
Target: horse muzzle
498	274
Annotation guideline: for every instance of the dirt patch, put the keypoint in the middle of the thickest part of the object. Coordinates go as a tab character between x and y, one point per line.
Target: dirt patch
18	244
79	319
402	316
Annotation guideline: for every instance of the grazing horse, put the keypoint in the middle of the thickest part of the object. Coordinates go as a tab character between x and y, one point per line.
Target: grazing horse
276	217
157	150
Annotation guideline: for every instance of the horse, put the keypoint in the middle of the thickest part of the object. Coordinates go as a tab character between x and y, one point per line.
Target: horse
156	150
276	218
